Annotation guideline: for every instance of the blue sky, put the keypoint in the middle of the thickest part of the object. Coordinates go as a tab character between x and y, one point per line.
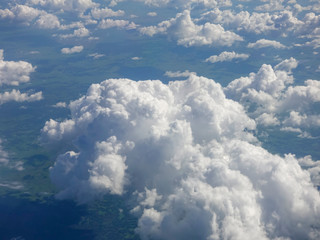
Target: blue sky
204	113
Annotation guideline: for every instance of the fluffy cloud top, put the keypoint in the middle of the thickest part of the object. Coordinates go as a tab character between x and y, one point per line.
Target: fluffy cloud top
263	43
271	99
75	49
187	33
98	13
227	56
185	153
13	73
28	15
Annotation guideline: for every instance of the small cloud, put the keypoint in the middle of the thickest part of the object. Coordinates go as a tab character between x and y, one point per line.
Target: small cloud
136	58
60	105
13	73
263	43
4	157
227	57
17	96
179	74
75	49
93	38
110	23
96	55
152	14
80	32
12	185
291	129
34	52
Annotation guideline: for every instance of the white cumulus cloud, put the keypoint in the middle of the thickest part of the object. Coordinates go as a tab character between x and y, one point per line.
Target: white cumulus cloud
17	96
13	73
183	29
75	49
263	43
186	155
227	57
271	98
100	13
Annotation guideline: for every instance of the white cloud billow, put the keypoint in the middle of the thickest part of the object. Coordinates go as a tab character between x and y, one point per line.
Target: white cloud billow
100	13
17	96
271	99
79	33
13	73
186	154
27	15
75	49
227	57
263	43
187	33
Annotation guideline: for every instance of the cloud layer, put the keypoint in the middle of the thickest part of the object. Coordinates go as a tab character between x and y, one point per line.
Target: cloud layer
188	158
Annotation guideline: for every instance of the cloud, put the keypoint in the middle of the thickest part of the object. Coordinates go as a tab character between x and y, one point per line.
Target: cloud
179	74
152	14
60	105
271	99
227	57
96	55
184	4
312	166
4	161
4	157
17	96
13	73
70	5
98	13
186	156
136	58
187	33
263	43
283	22
80	32
49	21
110	23
273	5
75	49
244	20
27	15
12	185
